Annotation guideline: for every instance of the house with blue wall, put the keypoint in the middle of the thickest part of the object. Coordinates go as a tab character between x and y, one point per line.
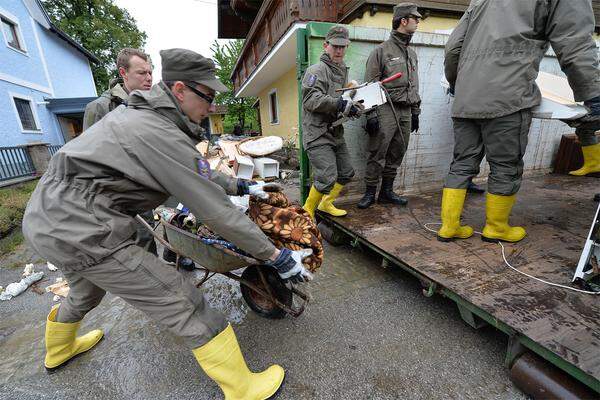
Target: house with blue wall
45	78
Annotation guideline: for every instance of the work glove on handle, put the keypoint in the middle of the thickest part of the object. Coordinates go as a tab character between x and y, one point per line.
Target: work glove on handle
258	189
372	126
289	265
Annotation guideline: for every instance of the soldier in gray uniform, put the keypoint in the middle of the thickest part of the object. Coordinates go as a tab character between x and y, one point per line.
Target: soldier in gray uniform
388	136
322	105
492	60
135	73
80	218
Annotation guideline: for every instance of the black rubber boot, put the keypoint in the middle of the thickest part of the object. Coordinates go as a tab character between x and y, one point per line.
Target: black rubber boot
387	195
473	188
368	199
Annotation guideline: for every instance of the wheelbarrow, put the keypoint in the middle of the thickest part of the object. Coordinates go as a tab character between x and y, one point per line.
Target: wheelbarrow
262	288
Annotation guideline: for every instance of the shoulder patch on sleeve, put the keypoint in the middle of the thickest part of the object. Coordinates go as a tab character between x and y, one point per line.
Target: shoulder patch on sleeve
312	79
203	167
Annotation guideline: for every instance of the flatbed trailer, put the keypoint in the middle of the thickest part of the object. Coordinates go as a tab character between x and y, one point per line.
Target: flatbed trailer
559	325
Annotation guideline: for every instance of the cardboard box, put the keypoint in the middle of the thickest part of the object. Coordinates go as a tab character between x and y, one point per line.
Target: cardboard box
243	167
266	167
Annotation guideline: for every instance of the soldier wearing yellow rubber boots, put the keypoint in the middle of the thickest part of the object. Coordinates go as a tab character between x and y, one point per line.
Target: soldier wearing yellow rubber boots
322	105
492	60
80	218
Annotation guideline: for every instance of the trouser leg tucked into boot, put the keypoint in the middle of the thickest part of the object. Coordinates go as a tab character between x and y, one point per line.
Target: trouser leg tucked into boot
369	198
452	206
591	160
62	342
387	195
326	204
497	209
222	360
312	201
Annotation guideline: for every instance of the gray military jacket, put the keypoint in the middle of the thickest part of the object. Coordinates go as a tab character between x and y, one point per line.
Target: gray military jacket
493	55
130	161
320	99
393	56
108	101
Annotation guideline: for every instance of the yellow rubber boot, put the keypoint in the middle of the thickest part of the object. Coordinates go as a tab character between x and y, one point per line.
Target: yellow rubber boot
452	206
326	204
62	342
497	209
222	360
312	201
591	160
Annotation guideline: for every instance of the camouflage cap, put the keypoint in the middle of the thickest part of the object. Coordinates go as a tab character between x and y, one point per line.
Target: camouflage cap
403	10
187	65
338	36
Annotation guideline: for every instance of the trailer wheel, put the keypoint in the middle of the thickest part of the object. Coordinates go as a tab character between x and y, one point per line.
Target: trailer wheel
260	304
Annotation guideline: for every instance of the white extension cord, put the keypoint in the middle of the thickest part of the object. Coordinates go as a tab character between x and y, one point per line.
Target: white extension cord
426	226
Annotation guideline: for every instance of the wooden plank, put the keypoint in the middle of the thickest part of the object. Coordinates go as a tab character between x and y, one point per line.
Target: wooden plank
556	210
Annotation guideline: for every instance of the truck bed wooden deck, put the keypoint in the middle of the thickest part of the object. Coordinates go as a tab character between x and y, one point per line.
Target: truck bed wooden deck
560	325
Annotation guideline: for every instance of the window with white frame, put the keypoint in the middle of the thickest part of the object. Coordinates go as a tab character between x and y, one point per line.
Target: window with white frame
273	107
12	32
27	115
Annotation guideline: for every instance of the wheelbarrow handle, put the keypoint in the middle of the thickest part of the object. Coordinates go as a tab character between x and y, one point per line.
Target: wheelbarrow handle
156	235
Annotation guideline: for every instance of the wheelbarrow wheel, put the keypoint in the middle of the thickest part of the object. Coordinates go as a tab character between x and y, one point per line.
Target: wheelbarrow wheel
260	304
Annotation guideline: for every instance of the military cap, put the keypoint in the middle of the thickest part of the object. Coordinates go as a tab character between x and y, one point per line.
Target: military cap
187	65
338	36
404	10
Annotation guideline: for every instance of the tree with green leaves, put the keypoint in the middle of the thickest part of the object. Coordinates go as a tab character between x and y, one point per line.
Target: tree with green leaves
239	110
99	26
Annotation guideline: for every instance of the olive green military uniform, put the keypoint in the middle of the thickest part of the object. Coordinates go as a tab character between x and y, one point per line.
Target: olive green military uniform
387	147
108	101
94	112
80	216
325	146
492	60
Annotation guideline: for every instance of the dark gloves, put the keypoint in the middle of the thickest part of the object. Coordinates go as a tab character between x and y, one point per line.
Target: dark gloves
289	265
243	186
348	108
341	104
593	105
414	123
372	126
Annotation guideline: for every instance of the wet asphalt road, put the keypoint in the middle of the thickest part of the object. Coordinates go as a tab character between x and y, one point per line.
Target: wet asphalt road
368	333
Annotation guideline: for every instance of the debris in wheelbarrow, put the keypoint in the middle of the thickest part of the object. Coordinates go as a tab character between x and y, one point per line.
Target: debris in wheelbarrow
261	286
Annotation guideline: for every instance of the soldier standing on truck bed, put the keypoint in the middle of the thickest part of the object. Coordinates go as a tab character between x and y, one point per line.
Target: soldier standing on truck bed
322	104
492	60
389	129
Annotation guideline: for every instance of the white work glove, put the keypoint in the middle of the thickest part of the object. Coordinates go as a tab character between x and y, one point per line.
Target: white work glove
289	265
261	189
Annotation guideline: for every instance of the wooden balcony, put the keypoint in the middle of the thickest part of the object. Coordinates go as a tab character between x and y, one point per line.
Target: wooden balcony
272	21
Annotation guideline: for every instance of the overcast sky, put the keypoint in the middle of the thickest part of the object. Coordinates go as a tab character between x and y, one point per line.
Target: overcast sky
190	24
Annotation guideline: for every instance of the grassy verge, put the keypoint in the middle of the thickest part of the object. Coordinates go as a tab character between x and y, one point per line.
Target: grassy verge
13	201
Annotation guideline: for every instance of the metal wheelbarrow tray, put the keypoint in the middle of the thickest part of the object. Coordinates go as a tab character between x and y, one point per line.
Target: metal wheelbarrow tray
262	288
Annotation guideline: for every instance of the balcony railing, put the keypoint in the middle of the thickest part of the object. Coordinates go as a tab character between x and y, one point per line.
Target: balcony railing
15	162
272	21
